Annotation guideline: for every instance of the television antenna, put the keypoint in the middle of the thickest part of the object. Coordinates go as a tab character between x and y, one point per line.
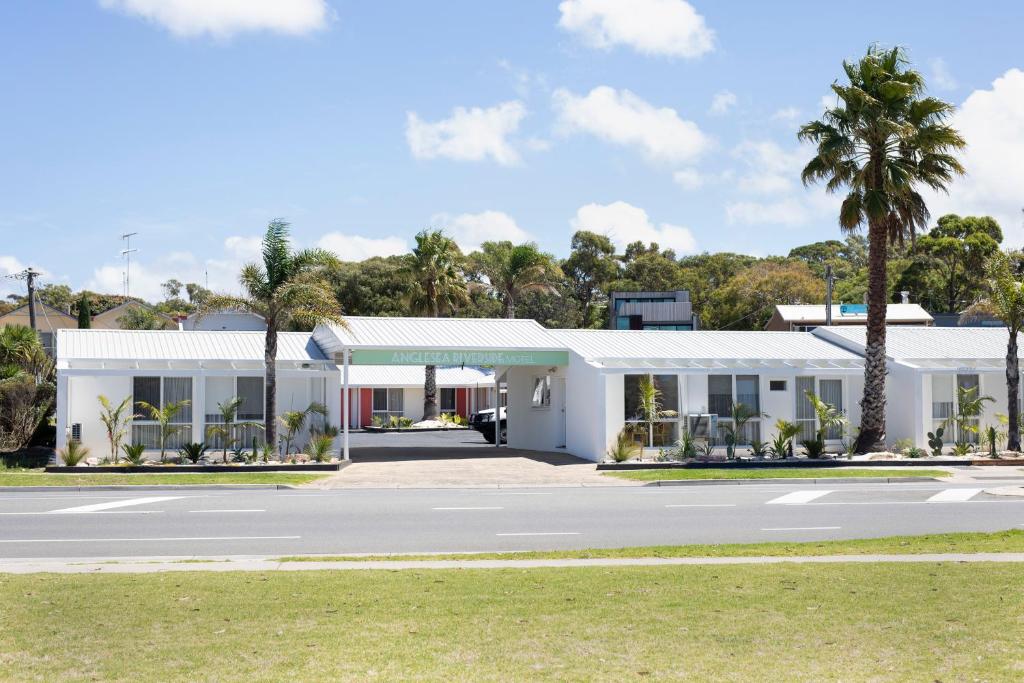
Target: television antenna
126	253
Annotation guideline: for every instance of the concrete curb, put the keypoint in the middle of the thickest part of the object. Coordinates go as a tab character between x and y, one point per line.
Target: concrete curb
792	480
147	487
270	564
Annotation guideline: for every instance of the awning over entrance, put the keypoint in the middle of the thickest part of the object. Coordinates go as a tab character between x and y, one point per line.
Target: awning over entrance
441	341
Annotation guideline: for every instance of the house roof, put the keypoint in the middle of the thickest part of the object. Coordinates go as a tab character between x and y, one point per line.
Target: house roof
463	334
634	348
413	376
41	310
178	345
815	313
928	345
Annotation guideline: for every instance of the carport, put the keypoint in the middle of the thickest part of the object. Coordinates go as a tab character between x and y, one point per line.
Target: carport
501	344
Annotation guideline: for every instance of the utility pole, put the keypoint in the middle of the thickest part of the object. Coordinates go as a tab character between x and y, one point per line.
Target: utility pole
829	280
29	275
127	254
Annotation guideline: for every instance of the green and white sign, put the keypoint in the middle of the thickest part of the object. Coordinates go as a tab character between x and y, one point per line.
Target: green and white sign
457	357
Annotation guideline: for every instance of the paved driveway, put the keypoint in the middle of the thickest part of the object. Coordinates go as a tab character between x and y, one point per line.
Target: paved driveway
456	459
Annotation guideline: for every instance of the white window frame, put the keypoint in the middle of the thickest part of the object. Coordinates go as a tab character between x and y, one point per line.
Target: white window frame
184	428
541	384
950	435
754	424
677	408
390	410
245	439
817	392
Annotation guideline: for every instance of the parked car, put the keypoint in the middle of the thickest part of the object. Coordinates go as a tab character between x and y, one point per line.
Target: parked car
483	422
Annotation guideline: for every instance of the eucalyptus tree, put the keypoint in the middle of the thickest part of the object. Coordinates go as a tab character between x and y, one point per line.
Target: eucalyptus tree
288	288
438	288
881	144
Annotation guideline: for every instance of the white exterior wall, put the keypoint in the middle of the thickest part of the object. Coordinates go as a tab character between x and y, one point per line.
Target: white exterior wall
529	427
84	408
587	425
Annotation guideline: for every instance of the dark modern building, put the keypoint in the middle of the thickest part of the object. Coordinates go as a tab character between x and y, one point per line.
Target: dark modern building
651	311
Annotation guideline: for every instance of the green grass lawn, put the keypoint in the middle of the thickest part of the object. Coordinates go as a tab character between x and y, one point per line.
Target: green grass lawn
774	623
771	473
1011	541
40	478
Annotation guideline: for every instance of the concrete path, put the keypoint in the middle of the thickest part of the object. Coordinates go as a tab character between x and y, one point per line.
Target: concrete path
469	468
264	564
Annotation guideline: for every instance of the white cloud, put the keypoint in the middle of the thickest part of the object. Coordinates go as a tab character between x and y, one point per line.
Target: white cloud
468	135
828	101
654	27
769	169
246	249
223	18
722	102
470	230
622	118
359	248
788	212
625	223
9	265
787	114
688	179
992	122
941	78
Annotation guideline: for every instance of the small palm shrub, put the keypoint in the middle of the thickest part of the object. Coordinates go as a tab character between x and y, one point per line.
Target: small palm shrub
73	453
377	421
192	451
623	448
133	453
320	448
814	448
758	448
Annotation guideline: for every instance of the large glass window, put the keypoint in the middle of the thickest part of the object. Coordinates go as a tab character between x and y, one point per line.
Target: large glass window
248	419
161	392
664	430
541	392
828	390
447	400
724	392
388	403
720	395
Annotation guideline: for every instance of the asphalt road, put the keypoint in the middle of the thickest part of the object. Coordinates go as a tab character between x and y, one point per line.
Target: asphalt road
281	522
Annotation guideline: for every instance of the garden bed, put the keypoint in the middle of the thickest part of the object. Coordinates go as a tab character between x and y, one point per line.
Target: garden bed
804	463
172	469
402	430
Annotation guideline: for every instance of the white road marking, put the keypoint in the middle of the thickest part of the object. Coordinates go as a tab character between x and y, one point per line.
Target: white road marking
96	507
227	510
797	498
954	495
134	540
801	528
702	505
521	493
98	512
470	508
543	533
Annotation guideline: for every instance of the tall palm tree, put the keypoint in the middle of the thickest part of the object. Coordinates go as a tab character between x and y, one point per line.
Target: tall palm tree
1006	300
512	269
289	287
881	143
439	287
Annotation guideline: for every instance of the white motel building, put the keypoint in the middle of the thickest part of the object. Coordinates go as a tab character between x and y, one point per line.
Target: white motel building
566	390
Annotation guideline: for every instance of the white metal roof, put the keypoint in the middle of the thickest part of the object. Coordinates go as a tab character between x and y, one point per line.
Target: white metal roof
168	345
815	313
934	346
448	333
702	349
413	376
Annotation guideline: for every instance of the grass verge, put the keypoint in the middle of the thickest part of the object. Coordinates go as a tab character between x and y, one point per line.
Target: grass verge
39	478
792	623
771	473
1011	541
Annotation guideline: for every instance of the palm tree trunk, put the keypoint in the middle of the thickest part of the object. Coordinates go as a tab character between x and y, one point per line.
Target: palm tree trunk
510	306
430	393
872	421
1012	392
270	399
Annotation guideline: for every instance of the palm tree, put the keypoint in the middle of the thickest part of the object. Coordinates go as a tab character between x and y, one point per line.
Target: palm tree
289	287
1006	300
164	418
294	420
439	287
115	421
881	143
225	430
512	269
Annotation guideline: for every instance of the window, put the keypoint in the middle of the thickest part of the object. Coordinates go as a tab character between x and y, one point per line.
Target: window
160	392
541	392
664	429
248	415
777	385
828	390
388	403
945	406
724	392
447	400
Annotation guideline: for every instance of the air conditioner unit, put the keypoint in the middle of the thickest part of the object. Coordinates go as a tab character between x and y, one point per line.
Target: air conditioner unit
702	425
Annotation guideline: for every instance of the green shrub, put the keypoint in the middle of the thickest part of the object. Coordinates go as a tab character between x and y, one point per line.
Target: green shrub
814	448
320	448
624	447
192	451
133	453
73	453
915	452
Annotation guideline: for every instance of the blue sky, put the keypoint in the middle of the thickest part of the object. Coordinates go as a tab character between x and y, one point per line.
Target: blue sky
194	122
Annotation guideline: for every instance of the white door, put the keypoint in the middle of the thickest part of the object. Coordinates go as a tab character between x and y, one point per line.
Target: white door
560	398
